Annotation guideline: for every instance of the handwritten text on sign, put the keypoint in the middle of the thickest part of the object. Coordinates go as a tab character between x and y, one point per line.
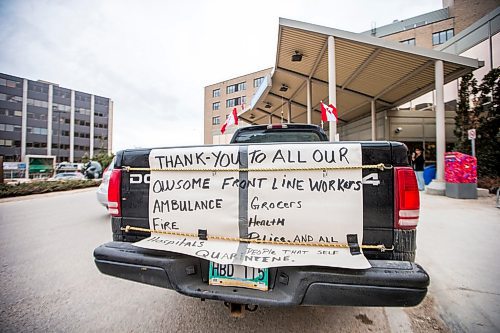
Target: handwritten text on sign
309	206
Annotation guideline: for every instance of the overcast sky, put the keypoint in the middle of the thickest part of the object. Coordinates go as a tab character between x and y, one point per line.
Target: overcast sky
153	58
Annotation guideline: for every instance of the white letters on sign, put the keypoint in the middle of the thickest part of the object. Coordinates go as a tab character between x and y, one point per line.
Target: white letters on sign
271	192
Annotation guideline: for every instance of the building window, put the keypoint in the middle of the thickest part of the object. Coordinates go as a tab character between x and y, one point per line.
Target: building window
10	83
236	87
61	92
37	130
101	125
442	36
83	111
37	102
235	101
101	101
83	98
41	88
216	93
10	113
10	98
216	120
10	128
216	106
61	107
258	81
410	41
5	143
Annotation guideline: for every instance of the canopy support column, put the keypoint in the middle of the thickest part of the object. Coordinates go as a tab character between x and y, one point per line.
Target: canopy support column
290	111
332	86
440	129
374	122
438	185
309	102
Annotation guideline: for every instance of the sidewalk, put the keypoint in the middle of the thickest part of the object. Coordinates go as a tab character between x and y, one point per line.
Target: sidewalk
457	243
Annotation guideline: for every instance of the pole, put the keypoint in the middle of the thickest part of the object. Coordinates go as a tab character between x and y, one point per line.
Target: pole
309	103
289	112
473	145
440	121
332	86
59	135
374	121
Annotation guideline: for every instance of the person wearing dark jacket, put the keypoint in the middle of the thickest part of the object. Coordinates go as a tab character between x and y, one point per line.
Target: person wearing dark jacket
417	160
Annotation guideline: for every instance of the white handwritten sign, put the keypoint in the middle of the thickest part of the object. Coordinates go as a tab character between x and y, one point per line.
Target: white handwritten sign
299	203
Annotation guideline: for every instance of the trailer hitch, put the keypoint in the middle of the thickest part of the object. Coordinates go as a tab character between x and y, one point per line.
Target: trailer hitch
238	310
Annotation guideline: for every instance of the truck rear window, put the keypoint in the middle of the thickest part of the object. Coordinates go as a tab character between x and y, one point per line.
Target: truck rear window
269	135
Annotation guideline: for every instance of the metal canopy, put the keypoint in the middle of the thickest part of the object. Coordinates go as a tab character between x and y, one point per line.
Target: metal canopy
367	68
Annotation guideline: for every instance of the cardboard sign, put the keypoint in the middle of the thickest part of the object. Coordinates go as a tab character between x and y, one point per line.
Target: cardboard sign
277	193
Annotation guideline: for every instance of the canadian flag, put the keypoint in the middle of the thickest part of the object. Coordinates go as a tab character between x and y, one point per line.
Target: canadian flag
232	119
328	112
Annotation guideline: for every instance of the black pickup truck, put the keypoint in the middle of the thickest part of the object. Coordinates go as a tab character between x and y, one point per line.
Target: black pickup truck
390	217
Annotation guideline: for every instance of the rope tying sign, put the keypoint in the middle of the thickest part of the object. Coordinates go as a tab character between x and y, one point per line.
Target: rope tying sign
380	166
128	228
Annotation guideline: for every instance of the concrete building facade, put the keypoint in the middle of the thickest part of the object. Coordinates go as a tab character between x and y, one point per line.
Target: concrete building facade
466	28
221	98
414	122
44	119
432	29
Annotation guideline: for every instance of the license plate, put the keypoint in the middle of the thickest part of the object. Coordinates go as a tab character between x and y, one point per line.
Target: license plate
238	276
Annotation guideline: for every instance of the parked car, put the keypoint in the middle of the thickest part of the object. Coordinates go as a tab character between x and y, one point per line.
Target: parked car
102	191
92	170
68	176
68	167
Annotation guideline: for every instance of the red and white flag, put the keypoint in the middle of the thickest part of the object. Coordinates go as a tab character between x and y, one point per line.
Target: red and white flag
232	119
328	112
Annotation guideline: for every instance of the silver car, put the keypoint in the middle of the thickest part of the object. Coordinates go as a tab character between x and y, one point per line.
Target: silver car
67	176
102	191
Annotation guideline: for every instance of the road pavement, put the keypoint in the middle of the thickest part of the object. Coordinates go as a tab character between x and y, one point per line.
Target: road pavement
50	283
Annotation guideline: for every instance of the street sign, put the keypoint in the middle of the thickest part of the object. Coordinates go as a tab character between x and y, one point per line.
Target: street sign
472	137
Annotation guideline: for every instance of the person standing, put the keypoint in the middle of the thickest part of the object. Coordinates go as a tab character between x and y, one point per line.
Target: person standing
418	162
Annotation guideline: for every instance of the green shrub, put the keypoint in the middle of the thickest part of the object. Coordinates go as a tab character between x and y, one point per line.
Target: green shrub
38	187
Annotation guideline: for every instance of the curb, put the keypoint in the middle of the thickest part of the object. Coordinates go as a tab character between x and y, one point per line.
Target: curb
44	195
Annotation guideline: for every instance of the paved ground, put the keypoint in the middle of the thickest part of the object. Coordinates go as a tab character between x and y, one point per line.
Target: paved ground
50	283
458	242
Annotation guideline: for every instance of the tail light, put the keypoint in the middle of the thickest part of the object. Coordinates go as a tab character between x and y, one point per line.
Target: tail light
114	192
406	198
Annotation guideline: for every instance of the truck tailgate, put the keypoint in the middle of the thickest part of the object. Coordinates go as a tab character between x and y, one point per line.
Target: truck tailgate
378	197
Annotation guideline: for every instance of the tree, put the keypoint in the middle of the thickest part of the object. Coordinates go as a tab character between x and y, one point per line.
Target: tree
465	119
85	158
488	111
484	116
104	159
